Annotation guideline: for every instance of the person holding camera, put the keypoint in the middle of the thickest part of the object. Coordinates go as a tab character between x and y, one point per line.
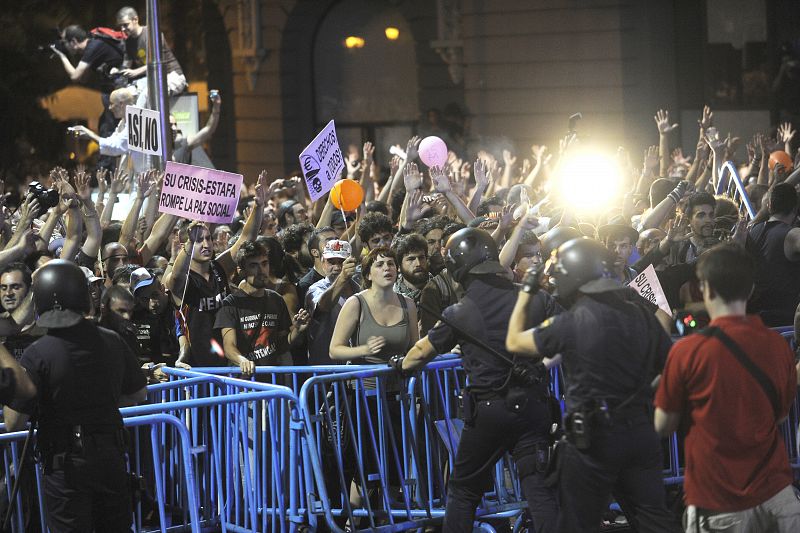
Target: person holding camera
81	374
612	347
506	406
182	145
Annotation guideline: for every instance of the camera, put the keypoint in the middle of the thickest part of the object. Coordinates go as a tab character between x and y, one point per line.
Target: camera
56	42
47	197
213	93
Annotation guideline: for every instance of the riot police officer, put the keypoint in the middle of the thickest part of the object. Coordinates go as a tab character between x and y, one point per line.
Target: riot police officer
612	347
505	406
81	374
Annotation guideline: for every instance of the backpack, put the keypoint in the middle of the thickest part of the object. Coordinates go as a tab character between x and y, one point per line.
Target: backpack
110	36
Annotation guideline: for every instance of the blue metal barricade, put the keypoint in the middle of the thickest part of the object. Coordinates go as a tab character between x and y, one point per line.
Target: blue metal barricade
30	504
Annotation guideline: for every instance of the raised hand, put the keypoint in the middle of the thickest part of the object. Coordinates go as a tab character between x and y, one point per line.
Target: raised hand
412	179
506	216
262	190
412	148
679	159
714	142
785	132
369	152
145	183
81	181
441	183
394	165
119	180
481	173
414	206
651	159
508	159
28	211
662	122
706	120
465	171
102	183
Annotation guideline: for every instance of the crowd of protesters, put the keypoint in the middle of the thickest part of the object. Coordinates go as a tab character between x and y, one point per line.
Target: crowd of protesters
291	282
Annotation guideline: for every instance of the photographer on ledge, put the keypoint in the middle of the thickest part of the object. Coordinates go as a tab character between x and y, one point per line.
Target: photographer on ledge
98	55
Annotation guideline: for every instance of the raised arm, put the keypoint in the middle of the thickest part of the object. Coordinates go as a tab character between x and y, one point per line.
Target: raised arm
94	234
251	226
116	187
144	187
664	129
442	184
211	126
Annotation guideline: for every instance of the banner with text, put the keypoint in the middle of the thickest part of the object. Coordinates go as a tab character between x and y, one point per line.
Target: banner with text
199	193
649	288
144	130
322	162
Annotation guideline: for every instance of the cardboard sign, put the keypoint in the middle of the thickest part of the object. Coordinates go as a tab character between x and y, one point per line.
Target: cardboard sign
199	193
322	162
144	130
649	288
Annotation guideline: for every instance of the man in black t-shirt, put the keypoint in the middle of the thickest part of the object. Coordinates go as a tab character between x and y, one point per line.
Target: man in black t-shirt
198	281
254	321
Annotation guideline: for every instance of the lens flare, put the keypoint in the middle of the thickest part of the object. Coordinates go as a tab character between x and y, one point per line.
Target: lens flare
589	182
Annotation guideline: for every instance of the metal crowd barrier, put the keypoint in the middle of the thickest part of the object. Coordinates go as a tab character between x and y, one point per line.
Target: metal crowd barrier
30	504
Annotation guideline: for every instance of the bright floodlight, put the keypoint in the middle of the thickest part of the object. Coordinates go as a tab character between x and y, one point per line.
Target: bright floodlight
589	182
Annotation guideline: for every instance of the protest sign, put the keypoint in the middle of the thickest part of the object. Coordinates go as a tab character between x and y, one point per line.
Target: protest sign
322	162
199	193
649	288
144	130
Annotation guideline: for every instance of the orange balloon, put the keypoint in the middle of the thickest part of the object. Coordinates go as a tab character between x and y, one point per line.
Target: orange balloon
779	156
347	195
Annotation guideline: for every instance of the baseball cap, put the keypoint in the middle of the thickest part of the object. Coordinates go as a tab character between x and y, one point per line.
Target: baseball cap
141	278
90	277
334	249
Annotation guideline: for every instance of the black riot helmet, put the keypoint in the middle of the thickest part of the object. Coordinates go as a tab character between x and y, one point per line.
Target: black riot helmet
554	238
582	265
60	294
471	251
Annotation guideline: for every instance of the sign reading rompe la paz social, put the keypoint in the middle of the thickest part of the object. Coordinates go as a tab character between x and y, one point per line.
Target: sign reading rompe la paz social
322	162
144	130
199	193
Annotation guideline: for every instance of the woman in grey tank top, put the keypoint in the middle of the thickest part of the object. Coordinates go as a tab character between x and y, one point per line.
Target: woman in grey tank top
376	323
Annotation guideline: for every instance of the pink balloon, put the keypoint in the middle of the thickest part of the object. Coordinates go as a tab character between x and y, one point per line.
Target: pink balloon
433	151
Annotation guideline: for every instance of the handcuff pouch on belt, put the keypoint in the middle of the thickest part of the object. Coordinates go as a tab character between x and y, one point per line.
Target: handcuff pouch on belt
581	424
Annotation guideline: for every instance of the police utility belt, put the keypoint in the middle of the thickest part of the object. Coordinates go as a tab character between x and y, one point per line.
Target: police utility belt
56	444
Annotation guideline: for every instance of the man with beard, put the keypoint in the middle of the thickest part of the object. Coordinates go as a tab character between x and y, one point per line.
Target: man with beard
700	212
412	255
153	318
432	230
254	321
619	239
199	282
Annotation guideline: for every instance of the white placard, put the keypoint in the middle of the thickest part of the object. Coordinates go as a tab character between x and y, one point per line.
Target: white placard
649	288
144	130
322	162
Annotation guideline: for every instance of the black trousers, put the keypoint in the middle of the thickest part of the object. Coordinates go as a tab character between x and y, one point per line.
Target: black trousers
624	460
495	430
89	491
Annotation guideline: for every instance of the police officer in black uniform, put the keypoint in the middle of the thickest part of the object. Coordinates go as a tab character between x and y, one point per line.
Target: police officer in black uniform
505	407
612	347
81	373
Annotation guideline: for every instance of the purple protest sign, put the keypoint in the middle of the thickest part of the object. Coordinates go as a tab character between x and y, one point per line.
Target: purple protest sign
199	193
322	162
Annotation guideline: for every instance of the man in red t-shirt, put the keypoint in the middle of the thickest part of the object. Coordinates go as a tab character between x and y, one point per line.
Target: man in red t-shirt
737	468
